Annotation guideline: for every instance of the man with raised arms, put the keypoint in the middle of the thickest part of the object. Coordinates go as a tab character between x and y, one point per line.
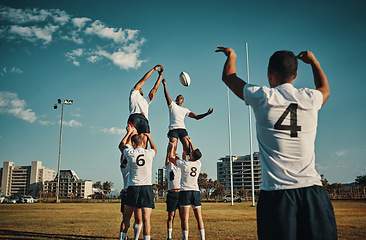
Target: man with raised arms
173	174
177	113
125	174
292	202
140	192
139	105
189	191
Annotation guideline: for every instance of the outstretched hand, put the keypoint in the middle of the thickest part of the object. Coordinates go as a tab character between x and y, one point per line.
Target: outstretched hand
227	51
307	57
159	68
210	110
164	81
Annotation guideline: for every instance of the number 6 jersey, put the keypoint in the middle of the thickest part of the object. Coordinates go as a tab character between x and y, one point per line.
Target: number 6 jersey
140	165
190	171
286	123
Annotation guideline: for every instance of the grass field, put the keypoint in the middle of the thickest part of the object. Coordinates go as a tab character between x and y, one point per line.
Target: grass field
102	221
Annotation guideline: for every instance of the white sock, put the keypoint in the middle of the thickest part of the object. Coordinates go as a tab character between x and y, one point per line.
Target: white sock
137	230
147	237
170	230
122	236
202	234
185	234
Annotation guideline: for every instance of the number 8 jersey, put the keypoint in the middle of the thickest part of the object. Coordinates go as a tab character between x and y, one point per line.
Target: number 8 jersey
286	124
140	165
190	171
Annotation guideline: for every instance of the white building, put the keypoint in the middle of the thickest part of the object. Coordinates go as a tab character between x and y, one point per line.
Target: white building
22	179
70	185
241	172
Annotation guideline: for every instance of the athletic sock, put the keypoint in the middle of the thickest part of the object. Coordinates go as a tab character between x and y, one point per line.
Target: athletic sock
202	234
170	230
185	234
137	230
147	237
122	236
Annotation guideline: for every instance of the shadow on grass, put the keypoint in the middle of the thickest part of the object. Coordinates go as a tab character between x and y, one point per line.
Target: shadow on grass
9	234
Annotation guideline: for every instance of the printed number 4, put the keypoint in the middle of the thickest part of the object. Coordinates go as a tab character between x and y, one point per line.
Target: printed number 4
292	109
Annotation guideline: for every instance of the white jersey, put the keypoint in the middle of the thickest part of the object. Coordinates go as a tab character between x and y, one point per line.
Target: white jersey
190	172
177	115
138	103
286	121
140	165
173	175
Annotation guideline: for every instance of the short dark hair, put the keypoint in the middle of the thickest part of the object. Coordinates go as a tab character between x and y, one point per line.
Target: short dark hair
283	64
196	154
136	140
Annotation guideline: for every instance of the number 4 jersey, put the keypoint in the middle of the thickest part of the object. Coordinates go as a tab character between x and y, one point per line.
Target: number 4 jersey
286	123
140	165
190	171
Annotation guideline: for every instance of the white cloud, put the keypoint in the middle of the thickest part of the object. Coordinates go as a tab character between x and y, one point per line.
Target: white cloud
16	70
75	114
11	104
46	123
122	46
33	33
341	153
80	22
113	130
72	123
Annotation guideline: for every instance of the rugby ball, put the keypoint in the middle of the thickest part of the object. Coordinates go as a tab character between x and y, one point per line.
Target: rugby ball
184	79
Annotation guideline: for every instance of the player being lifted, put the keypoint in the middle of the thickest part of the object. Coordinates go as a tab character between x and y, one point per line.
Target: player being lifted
140	192
292	202
139	105
125	174
189	191
173	174
177	113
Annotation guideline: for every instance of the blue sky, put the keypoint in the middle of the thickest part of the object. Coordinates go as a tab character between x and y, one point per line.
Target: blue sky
95	51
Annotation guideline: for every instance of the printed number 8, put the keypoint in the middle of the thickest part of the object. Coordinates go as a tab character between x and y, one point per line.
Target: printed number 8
193	172
140	161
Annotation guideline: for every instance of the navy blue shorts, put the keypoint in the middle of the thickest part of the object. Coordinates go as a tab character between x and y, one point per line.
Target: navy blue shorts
178	133
172	203
140	196
123	200
140	122
187	198
303	213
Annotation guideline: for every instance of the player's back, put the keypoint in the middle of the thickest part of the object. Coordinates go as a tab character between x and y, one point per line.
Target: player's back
140	165
286	120
190	171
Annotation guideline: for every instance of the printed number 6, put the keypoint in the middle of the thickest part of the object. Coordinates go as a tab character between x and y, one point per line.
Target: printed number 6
140	161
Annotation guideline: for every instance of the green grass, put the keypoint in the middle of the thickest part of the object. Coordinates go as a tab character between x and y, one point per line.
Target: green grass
102	221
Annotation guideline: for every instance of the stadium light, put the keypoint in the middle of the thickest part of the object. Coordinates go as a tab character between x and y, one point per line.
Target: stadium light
66	102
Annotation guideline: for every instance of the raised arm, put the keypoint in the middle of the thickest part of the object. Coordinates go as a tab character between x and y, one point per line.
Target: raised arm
167	98
142	81
320	80
153	146
157	83
229	77
171	156
197	117
127	138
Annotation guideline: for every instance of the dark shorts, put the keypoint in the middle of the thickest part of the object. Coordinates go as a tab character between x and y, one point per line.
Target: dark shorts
140	122
172	203
187	198
303	213
178	133
123	200
140	196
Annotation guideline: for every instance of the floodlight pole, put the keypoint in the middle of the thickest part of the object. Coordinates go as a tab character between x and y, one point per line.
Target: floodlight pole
231	156
67	102
250	135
